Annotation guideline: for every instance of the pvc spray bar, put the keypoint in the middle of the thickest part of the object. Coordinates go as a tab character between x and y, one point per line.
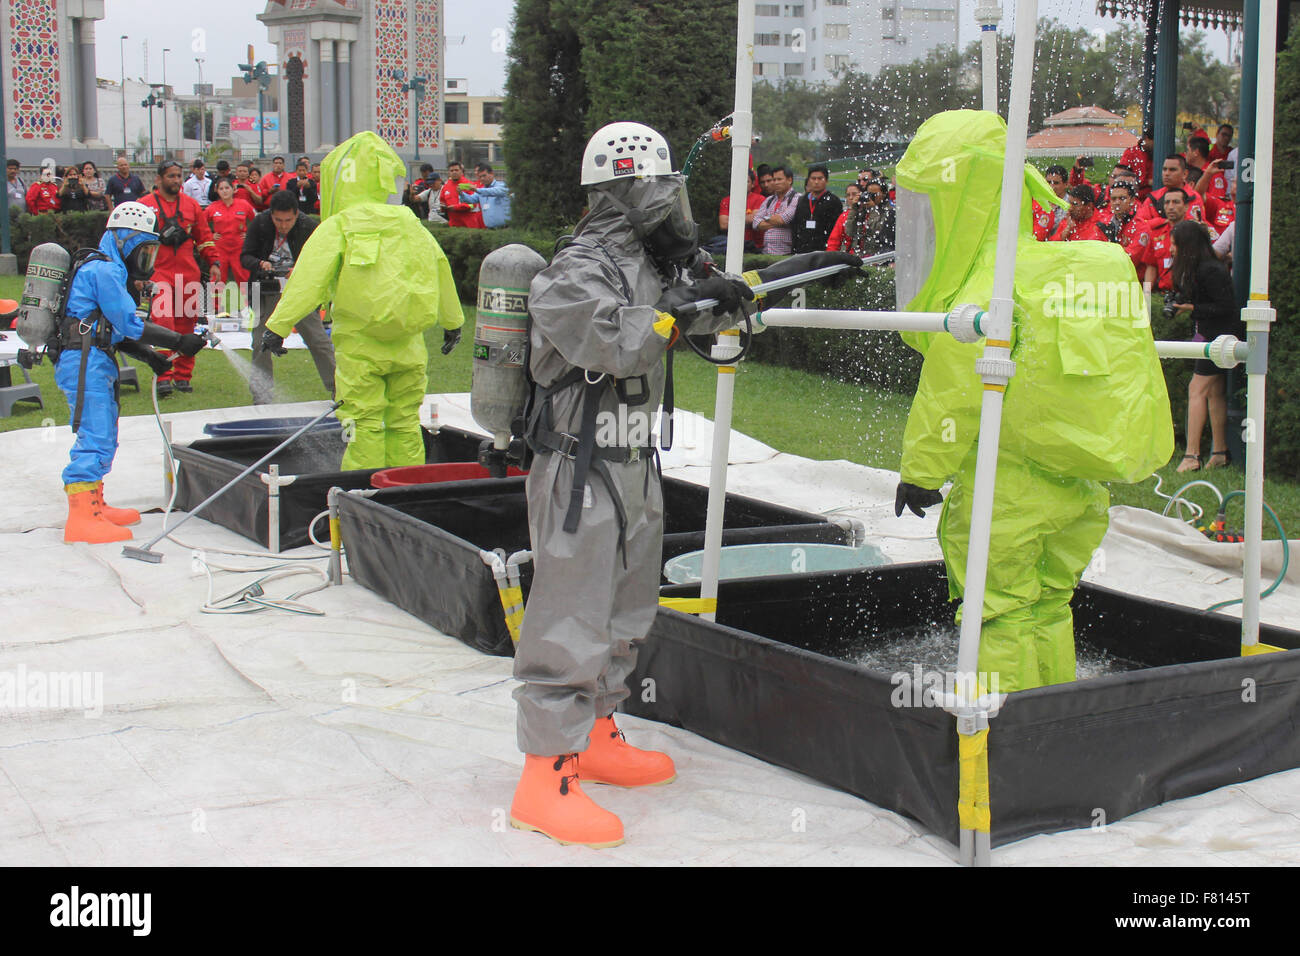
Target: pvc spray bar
963	322
789	282
1225	351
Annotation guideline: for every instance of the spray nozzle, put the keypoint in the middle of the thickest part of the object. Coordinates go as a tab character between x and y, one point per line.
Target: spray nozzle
206	331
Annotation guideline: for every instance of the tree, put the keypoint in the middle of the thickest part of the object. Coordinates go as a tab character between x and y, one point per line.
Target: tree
190	123
575	65
545	114
785	117
1207	88
671	66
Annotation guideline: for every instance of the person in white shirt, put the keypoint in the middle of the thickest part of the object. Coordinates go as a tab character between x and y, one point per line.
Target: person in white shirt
198	185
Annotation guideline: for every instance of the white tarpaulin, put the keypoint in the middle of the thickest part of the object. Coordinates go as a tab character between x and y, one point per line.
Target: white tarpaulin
363	736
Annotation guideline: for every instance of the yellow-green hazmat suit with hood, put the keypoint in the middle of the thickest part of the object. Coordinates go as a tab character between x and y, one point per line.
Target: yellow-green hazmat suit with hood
1087	404
388	281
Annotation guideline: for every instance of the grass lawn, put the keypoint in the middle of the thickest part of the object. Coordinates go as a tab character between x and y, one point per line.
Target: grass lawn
792	411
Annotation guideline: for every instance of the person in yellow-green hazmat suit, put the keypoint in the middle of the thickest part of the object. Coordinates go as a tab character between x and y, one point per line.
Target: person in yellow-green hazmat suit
1087	403
388	281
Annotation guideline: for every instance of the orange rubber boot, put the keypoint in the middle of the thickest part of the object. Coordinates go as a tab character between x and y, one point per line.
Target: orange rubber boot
549	801
118	516
85	520
611	759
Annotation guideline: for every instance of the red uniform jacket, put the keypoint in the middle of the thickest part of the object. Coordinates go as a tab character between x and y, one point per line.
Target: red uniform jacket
1069	230
1140	161
460	213
228	225
1148	210
176	265
43	197
1152	248
270	182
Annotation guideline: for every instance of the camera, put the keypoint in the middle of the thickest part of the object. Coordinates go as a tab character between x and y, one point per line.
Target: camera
1086	162
1172	301
1227	164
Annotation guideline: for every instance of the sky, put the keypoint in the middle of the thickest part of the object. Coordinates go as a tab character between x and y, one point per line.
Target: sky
477	35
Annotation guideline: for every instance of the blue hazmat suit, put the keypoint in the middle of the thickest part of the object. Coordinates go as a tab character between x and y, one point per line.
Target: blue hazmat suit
99	285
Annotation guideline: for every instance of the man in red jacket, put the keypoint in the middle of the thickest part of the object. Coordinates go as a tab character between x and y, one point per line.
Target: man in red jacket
1139	159
277	178
179	293
1119	220
1152	251
457	211
1174	173
1081	223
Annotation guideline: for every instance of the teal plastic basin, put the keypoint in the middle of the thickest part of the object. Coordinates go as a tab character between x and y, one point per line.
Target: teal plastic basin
762	560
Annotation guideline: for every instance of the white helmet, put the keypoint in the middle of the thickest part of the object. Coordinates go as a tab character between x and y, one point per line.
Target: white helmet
133	215
630	150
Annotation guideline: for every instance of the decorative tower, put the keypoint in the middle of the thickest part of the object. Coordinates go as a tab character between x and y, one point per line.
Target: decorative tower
343	64
47	48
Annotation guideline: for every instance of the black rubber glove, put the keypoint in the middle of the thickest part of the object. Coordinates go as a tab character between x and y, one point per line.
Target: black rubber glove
137	350
915	498
273	343
450	339
191	344
679	300
798	265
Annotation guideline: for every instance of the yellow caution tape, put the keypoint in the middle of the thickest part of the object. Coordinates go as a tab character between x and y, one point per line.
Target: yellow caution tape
751	277
512	600
1259	648
973	781
336	536
690	605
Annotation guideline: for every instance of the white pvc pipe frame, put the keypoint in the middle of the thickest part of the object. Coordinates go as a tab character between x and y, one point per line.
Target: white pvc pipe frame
995	367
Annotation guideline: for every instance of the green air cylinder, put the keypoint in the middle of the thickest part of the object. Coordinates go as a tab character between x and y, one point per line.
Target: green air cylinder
500	387
43	291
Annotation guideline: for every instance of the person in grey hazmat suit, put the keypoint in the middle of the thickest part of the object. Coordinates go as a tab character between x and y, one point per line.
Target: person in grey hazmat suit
601	326
604	314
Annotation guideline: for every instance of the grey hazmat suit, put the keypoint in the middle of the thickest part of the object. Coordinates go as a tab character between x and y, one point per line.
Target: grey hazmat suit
595	592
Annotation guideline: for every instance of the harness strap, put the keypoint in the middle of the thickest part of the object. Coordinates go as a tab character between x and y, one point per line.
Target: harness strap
582	462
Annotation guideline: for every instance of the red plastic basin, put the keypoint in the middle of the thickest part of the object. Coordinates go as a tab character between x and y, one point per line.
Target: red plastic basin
432	474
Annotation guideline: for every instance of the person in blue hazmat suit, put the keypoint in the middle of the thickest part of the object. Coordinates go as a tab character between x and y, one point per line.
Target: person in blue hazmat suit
102	316
604	314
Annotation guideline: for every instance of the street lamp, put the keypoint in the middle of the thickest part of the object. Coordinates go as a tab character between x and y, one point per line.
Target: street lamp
149	102
202	108
414	85
121	45
164	96
258	71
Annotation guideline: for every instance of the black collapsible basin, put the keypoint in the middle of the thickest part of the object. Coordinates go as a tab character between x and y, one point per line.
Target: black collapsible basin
313	460
776	678
419	547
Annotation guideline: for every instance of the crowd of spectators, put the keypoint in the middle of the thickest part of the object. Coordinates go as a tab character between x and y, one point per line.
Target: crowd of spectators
479	203
781	220
456	200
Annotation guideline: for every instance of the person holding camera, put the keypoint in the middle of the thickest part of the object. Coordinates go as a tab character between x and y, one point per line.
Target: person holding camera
272	246
73	196
1203	292
180	298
